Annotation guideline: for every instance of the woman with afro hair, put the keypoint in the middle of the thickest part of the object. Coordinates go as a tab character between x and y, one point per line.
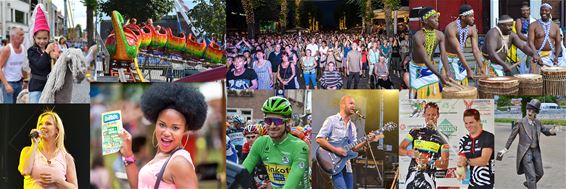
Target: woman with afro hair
175	109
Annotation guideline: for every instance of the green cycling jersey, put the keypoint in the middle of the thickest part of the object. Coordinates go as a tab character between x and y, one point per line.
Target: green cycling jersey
286	162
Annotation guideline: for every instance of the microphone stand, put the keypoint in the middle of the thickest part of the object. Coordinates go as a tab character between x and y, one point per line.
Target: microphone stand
375	163
372	156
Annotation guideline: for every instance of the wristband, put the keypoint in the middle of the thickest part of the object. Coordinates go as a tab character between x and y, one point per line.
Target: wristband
128	160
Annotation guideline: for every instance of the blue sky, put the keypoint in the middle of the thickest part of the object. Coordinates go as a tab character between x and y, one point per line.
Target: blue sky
79	10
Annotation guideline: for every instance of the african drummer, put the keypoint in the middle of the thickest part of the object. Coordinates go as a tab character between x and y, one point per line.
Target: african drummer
457	32
425	76
544	37
497	43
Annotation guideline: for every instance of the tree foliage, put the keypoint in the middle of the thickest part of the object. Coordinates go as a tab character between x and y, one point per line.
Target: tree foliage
91	6
139	9
211	16
366	7
283	15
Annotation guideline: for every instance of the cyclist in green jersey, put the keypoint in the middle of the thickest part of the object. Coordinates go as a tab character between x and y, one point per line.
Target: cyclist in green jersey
284	155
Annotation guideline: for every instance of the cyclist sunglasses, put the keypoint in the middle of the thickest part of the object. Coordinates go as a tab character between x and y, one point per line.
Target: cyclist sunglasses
276	121
251	137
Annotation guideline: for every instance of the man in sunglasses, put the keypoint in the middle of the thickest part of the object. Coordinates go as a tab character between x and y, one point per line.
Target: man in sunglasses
339	127
284	155
428	149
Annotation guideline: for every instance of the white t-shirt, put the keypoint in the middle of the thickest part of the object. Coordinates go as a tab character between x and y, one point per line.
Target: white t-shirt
313	47
323	52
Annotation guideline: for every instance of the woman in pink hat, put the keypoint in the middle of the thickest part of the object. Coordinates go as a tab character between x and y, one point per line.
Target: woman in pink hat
40	55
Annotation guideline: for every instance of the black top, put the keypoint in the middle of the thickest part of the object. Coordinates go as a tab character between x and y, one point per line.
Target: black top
40	68
481	176
395	51
243	81
275	60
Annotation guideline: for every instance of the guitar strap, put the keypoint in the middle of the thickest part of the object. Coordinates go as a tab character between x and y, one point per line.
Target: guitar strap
350	135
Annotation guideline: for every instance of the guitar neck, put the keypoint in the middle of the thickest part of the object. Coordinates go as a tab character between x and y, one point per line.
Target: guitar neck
360	140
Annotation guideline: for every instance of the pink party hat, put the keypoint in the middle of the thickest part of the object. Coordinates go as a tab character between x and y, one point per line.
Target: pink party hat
40	21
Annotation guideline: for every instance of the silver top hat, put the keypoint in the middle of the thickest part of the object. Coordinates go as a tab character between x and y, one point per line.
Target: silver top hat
534	104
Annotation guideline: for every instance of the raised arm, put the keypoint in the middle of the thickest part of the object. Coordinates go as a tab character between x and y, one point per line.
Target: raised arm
126	151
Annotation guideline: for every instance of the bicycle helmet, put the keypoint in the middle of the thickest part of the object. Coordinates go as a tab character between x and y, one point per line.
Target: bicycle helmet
250	129
261	130
277	105
237	119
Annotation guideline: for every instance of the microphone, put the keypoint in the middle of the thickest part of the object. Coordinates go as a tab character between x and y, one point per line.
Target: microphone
357	112
35	134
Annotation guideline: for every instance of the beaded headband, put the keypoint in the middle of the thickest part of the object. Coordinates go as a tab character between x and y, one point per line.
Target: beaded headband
429	14
467	13
546	5
505	21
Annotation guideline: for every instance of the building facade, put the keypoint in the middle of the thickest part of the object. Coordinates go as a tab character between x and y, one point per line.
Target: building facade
13	13
449	11
248	103
510	8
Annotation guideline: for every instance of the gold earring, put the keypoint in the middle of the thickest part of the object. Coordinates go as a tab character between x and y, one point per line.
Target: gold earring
185	144
152	137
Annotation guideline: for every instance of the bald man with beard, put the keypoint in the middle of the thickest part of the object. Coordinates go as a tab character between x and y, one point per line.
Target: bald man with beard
337	128
496	47
544	37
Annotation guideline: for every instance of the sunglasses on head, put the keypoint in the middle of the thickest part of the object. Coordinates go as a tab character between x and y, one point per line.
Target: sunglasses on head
276	121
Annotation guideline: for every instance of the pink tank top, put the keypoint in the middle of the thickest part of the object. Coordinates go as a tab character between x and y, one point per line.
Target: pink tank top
57	166
148	173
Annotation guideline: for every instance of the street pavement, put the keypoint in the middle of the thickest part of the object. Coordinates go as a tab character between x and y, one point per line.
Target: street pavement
553	156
